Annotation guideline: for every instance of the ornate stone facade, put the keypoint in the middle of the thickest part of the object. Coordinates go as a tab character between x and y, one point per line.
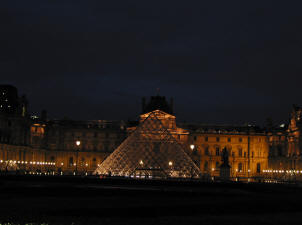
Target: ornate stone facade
39	145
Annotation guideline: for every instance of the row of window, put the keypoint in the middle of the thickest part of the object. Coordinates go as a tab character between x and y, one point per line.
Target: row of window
105	146
95	134
86	134
81	162
239	169
218	139
232	153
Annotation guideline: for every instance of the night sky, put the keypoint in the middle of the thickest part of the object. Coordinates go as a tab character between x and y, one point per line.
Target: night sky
222	61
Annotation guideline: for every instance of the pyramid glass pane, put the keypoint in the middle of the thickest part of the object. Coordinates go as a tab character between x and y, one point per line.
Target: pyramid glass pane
151	152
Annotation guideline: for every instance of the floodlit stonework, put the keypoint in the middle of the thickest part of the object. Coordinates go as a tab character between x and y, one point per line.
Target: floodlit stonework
39	145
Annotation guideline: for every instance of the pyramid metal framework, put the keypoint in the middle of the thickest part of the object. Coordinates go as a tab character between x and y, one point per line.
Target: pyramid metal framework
150	152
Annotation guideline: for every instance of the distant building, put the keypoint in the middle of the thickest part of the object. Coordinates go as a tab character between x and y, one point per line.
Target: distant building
10	103
41	145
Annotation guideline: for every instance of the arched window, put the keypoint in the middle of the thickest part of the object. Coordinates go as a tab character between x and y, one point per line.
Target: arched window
82	162
206	150
279	148
240	151
239	167
271	150
94	162
70	161
217	151
206	166
217	166
258	167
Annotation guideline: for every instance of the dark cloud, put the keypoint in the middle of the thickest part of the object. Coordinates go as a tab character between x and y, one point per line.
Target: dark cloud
223	61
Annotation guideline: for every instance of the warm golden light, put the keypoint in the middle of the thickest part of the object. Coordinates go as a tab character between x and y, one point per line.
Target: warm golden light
78	143
141	162
192	147
170	163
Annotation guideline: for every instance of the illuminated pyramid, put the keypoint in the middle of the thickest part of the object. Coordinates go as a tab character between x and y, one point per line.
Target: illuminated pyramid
150	152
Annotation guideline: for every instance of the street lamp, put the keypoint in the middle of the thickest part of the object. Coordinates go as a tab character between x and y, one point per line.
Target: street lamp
171	168
78	146
192	147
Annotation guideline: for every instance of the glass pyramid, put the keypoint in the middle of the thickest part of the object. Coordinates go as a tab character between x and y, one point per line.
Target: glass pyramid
150	152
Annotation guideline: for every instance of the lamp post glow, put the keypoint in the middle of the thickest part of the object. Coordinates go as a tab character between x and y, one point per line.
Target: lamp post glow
78	146
192	147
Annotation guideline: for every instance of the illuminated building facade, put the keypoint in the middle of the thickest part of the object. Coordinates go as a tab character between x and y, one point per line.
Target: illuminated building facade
39	145
246	145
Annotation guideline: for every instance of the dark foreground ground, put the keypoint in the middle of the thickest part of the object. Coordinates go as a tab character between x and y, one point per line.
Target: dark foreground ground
50	200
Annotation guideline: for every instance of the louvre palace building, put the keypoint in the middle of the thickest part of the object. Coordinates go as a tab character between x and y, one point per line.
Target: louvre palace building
155	144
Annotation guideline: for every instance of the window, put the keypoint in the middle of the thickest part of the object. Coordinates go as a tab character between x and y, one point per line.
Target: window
279	149
206	166
52	158
206	150
94	162
82	162
240	139
240	152
244	154
252	154
195	138
239	167
178	137
217	165
217	139
206	138
217	151
229	139
258	167
233	154
70	161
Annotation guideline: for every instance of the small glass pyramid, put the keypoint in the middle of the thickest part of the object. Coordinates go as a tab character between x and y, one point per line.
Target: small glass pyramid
149	152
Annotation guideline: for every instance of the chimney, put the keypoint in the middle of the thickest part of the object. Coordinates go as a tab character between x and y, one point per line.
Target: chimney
44	115
171	105
143	104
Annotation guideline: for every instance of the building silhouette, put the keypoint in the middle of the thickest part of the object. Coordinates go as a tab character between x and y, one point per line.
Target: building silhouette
42	145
